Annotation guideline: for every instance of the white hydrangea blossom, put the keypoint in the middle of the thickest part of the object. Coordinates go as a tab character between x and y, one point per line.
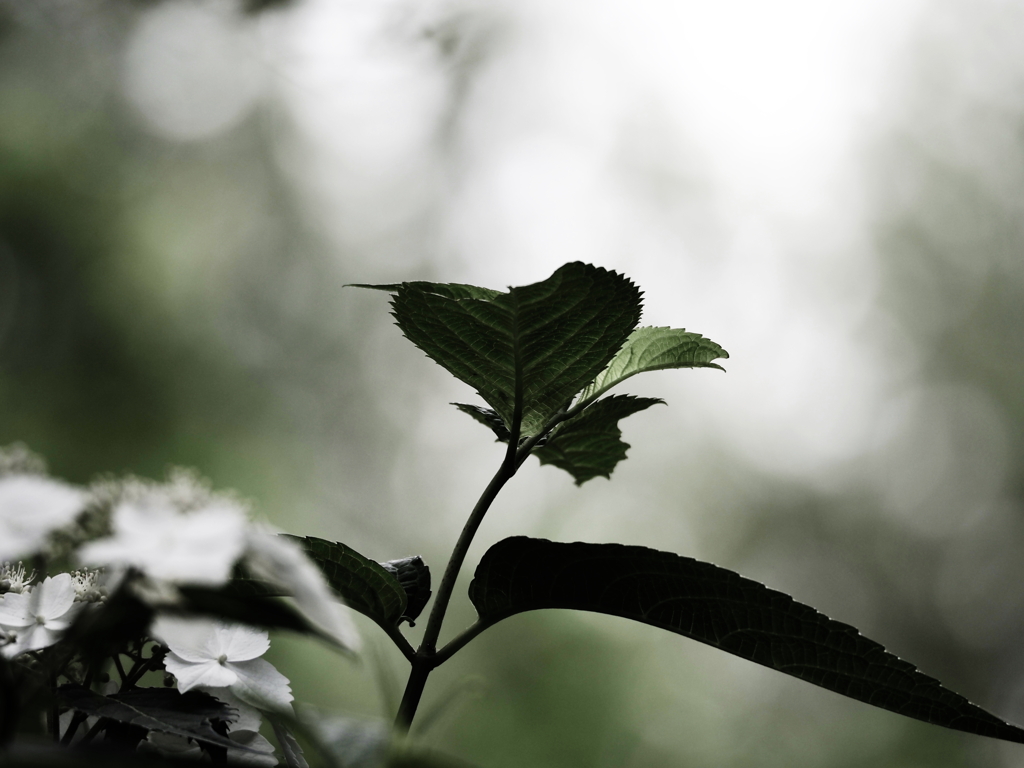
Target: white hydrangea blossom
211	654
283	563
31	508
37	617
167	543
88	586
14	579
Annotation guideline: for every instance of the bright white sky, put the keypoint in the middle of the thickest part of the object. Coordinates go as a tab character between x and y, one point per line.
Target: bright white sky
709	151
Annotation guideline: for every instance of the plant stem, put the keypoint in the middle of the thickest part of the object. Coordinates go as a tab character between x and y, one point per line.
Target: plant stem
54	714
120	670
423	661
427	658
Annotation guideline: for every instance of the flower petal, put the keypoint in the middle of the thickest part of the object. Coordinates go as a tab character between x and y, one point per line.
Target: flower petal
15	610
189	638
196	547
242	643
207	673
261	685
54	596
31	507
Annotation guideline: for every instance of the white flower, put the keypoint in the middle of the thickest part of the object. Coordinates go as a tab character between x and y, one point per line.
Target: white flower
37	617
283	563
153	535
87	586
212	654
32	507
13	578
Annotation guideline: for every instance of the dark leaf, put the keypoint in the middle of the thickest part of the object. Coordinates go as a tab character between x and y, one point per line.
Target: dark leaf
95	755
532	348
590	445
363	584
9	709
290	748
105	628
655	349
236	602
191	715
414	576
489	418
448	290
721	608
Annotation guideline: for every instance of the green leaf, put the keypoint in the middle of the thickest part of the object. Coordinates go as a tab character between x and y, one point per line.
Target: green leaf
527	351
489	418
654	349
414	576
363	584
721	608
167	710
449	290
589	445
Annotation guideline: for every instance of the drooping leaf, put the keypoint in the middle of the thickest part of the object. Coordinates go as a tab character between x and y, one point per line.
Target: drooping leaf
363	584
167	710
236	602
653	349
488	417
590	445
721	608
532	348
414	576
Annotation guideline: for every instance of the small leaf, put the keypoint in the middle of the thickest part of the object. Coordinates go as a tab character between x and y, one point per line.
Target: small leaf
529	350
167	710
589	445
488	418
414	576
290	748
721	608
363	584
653	349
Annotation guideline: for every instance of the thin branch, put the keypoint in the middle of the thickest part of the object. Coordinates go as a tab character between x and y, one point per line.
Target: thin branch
120	669
403	645
457	643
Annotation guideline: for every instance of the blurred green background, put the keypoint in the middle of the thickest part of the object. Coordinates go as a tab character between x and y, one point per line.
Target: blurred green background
832	192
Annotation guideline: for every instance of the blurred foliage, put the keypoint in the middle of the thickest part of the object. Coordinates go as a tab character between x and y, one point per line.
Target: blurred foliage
168	303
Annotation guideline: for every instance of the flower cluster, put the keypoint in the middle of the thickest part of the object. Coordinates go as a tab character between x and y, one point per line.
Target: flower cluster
149	544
